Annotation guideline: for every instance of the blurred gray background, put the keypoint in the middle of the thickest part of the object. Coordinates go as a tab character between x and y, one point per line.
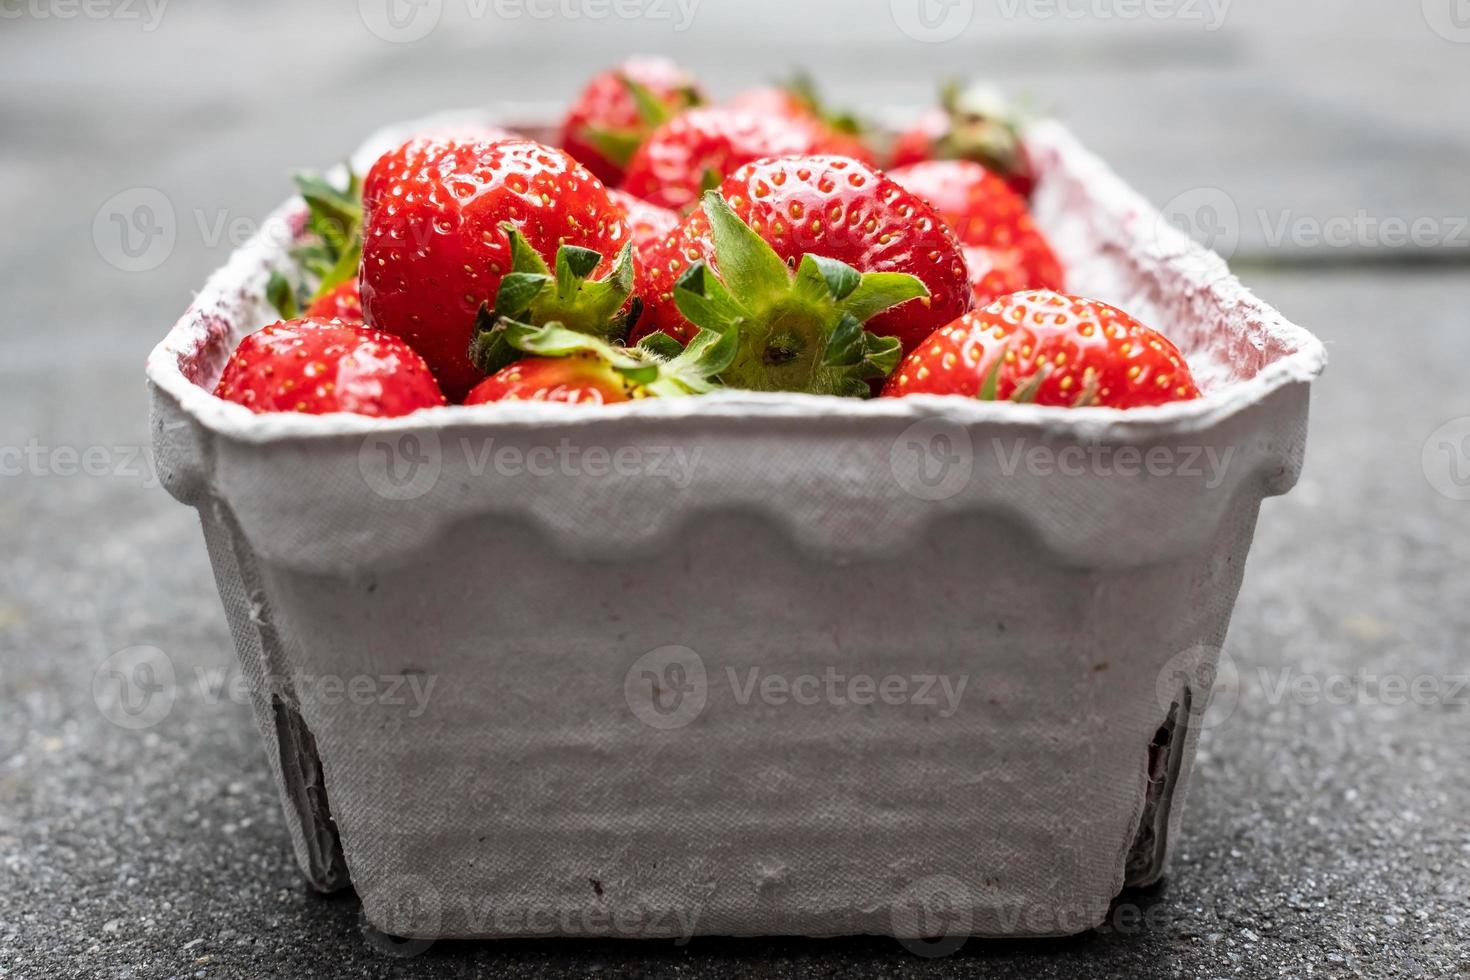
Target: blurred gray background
1324	146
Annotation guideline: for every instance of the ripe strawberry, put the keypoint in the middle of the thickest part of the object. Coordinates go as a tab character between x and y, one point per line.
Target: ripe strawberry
620	107
795	325
648	224
462	215
974	123
1051	349
419	151
566	366
316	366
342	302
798	99
828	206
1004	249
693	152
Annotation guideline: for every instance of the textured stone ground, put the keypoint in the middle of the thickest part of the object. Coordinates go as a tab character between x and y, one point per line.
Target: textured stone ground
1325	835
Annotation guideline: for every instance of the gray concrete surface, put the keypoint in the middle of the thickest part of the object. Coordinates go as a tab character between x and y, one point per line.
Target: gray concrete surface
1327	833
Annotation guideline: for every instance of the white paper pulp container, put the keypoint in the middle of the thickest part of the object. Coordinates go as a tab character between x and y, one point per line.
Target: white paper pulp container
750	663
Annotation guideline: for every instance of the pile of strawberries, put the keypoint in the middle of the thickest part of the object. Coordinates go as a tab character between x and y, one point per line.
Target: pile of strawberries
671	247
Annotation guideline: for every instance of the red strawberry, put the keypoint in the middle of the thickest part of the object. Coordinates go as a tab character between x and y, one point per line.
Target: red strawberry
829	206
566	366
619	108
976	124
412	156
798	99
797	324
436	248
1005	251
648	224
1051	349
693	152
342	302
582	378
317	366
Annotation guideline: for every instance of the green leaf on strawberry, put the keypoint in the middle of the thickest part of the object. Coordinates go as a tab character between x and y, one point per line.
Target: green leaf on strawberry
332	250
800	332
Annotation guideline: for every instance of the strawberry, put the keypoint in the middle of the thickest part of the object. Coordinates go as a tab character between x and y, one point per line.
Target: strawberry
648	224
798	99
1051	349
567	366
574	379
693	152
316	366
974	123
417	152
834	207
619	108
341	302
794	325
1004	250
460	217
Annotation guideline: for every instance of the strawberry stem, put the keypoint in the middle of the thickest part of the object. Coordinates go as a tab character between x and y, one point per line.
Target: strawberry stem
800	332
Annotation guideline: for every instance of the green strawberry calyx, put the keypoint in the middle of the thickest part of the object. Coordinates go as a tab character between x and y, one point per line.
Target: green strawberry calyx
619	145
983	127
332	249
535	293
658	367
800	331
